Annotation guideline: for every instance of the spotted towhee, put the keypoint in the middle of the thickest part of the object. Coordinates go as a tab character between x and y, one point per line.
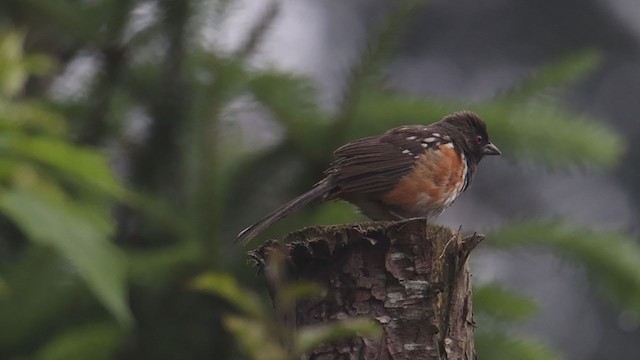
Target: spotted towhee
410	171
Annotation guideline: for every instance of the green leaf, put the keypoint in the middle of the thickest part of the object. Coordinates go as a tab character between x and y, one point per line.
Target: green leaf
43	289
226	287
8	169
94	341
30	116
501	304
83	165
500	346
610	258
312	336
255	339
81	234
12	71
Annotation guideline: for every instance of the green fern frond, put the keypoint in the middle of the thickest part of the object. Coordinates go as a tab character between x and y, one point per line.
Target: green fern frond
559	73
550	135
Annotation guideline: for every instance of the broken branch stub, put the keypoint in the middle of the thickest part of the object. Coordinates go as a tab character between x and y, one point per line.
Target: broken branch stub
411	277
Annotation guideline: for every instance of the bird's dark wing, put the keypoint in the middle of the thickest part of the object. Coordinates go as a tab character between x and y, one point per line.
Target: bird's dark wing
376	164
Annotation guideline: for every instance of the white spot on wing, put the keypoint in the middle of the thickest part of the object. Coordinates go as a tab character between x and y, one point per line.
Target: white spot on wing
424	145
430	139
436	134
411	138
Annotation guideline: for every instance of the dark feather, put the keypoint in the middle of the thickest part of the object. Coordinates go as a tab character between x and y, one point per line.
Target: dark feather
318	191
376	164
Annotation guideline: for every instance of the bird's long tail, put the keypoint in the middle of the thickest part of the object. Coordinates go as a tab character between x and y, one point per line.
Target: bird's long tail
318	191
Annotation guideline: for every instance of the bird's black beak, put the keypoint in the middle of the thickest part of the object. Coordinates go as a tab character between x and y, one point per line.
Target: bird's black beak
491	149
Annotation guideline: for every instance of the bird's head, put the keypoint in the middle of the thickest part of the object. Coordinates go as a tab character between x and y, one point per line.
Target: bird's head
469	132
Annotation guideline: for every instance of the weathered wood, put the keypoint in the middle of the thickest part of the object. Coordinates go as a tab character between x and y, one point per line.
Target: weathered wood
411	277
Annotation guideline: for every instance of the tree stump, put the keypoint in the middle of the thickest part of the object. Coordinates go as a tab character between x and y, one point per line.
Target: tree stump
411	277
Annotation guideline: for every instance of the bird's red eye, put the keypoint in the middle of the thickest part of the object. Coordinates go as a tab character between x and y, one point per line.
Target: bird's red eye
479	139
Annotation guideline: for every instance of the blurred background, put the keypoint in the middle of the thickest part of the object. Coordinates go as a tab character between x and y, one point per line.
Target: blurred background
138	137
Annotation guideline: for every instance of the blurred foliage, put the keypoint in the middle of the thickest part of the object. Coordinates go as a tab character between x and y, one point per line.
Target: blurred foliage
614	268
258	333
78	250
93	341
55	194
15	68
497	345
498	304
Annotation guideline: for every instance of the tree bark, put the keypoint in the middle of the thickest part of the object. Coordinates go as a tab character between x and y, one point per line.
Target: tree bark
411	277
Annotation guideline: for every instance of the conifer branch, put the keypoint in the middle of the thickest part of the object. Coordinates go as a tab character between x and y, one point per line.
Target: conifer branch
377	50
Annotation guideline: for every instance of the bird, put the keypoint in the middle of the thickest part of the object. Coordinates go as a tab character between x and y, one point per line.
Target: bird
411	171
